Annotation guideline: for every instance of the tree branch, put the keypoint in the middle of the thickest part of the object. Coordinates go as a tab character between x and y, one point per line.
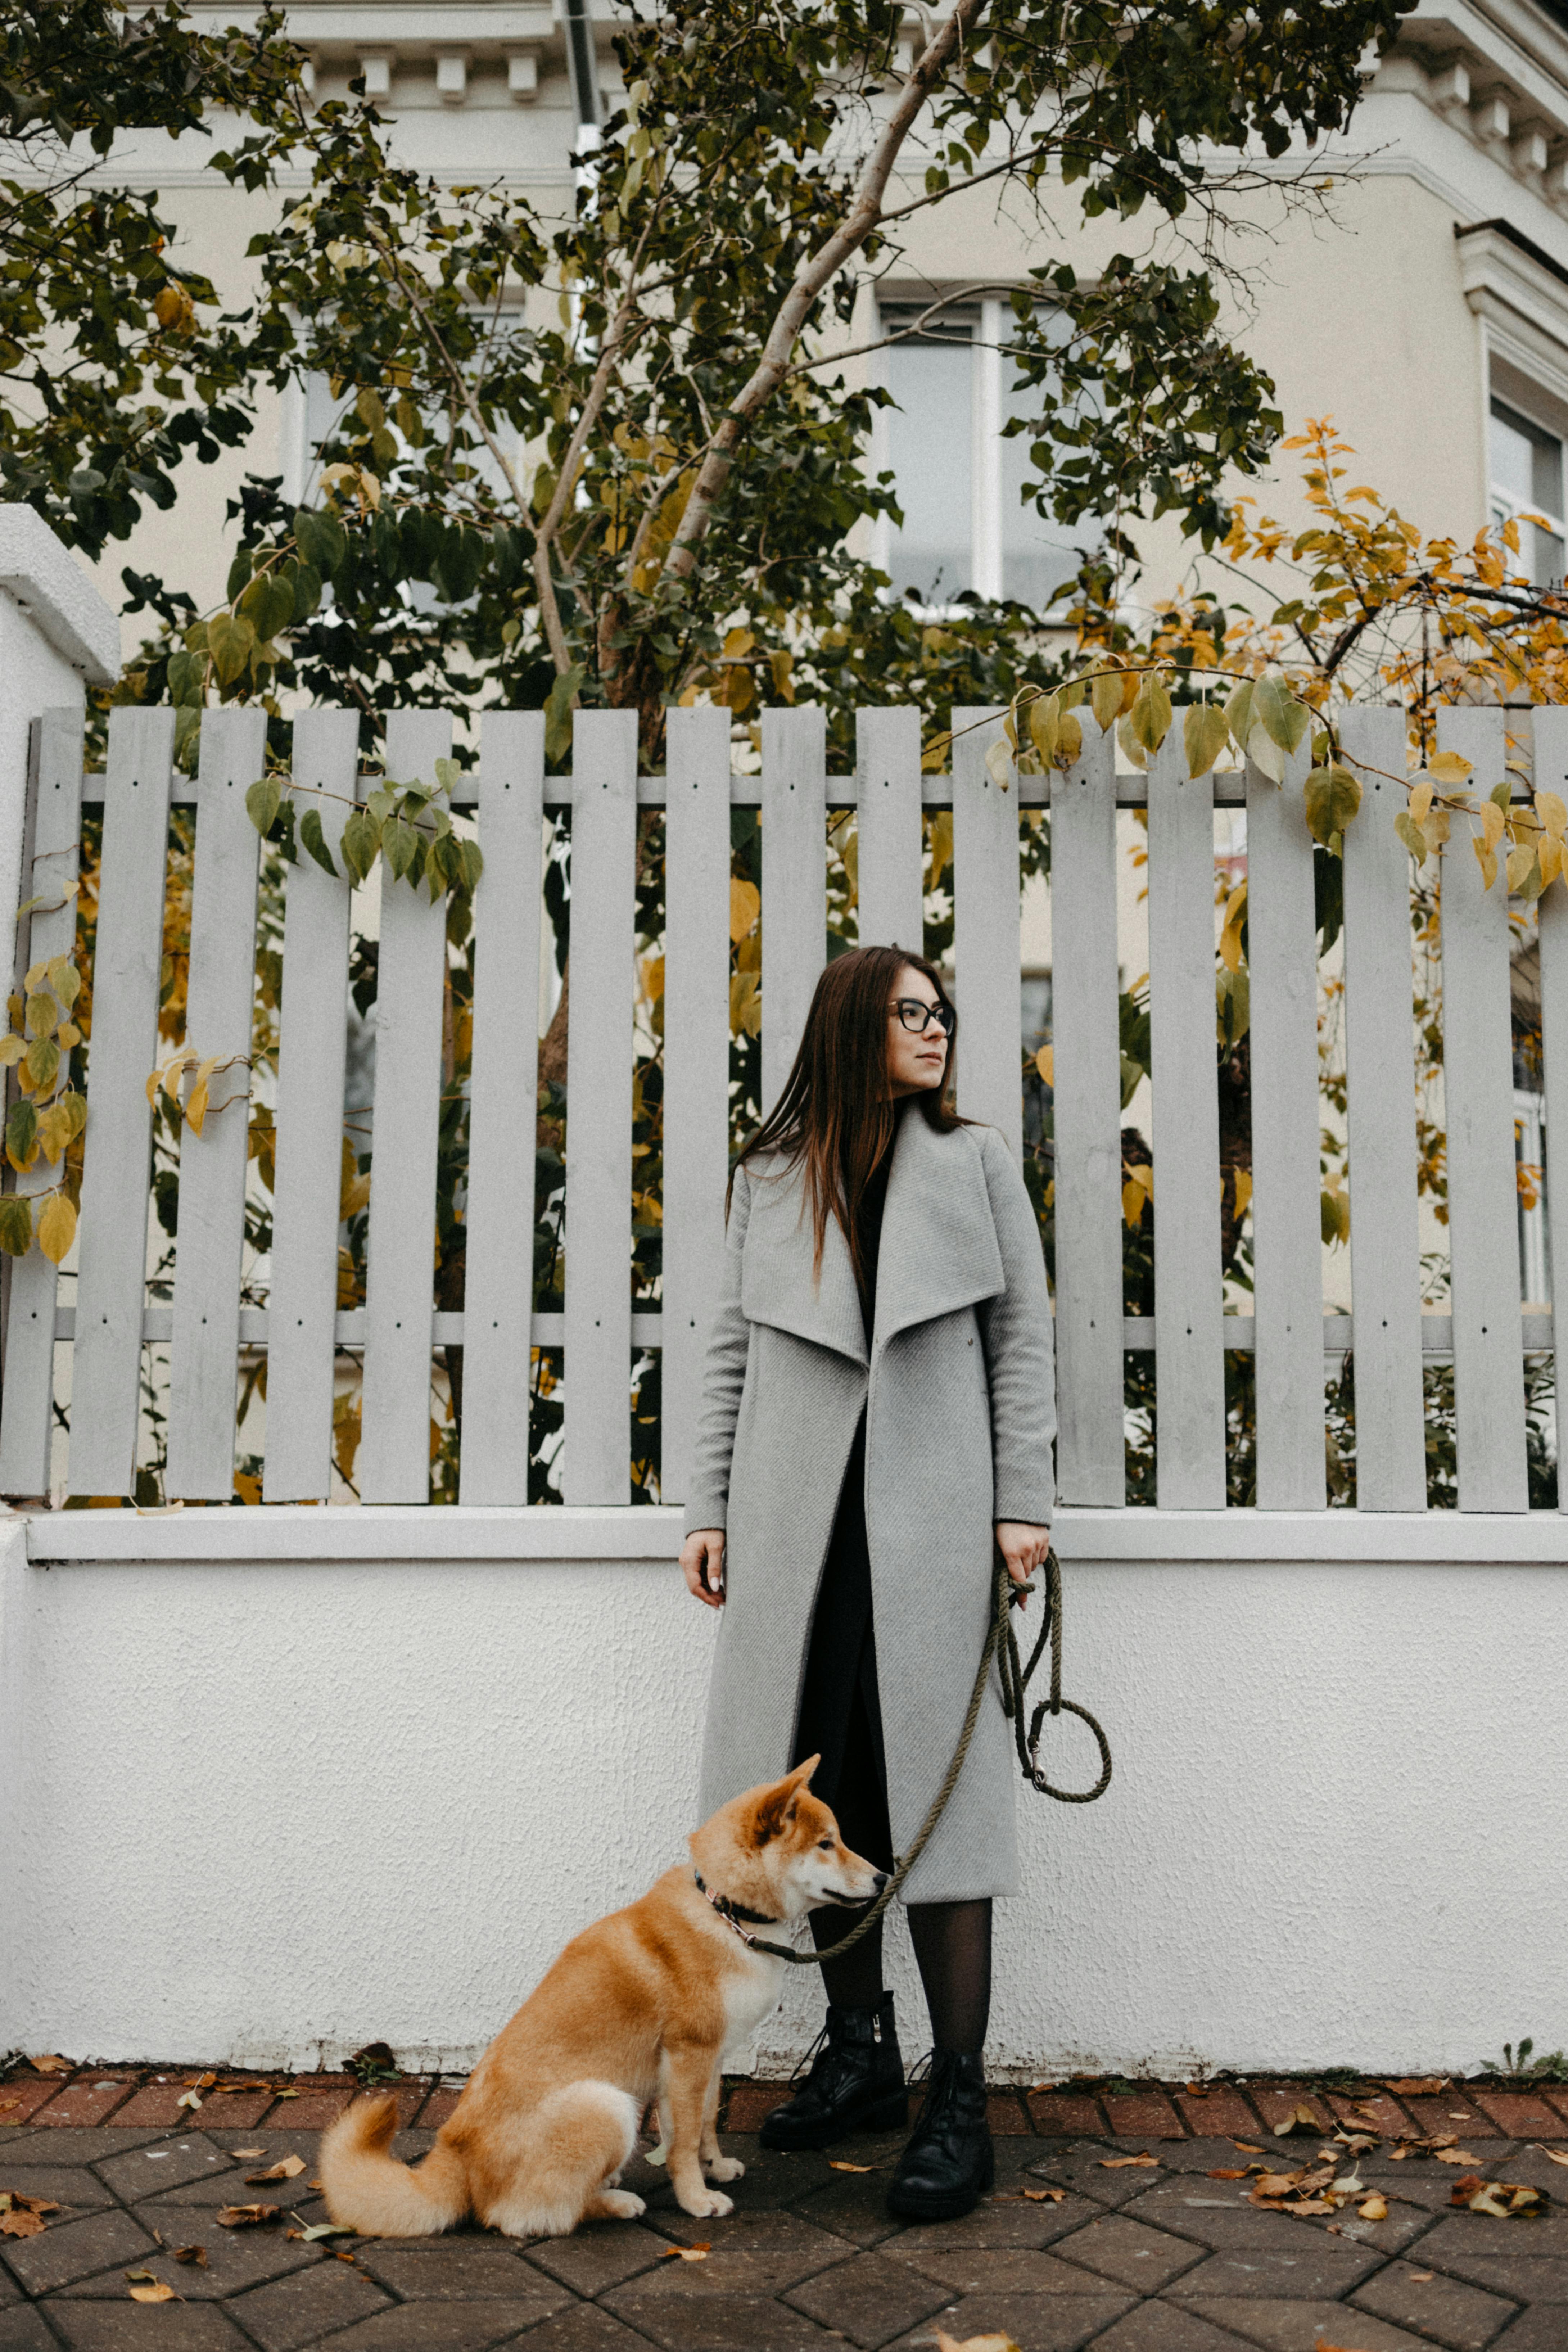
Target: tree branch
864	214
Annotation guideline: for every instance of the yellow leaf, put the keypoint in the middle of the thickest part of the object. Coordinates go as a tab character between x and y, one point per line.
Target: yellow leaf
1374	2210
1204	734
653	978
1449	768
1486	858
999	764
56	1228
687	2253
1132	1202
1243	1191
1554	2156
12	1049
1553	814
1520	864
1105	696
157	2292
196	1109
745	906
1492	821
1121	2163
840	2164
1045	727
43	1014
1150	717
1420	799
1046	1062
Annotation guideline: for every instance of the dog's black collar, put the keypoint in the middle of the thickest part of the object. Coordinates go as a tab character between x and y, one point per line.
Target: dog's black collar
733	1912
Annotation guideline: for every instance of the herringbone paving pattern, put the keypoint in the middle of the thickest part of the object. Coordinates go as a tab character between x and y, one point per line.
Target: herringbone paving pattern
1152	2257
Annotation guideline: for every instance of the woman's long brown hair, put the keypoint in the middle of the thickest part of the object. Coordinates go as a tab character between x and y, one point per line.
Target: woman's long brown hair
836	1115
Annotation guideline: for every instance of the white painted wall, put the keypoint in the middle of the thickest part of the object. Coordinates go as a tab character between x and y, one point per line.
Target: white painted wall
261	1810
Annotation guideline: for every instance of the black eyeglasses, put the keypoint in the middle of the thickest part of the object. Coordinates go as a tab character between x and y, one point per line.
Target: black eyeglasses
916	1015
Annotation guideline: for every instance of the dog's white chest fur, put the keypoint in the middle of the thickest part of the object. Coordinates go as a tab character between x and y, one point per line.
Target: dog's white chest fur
750	1993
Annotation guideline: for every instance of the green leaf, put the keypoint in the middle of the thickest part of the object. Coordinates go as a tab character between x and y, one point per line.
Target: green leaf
1411	834
41	1064
269	605
306	586
262	803
399	843
309	833
557	712
1239	714
239	574
1204	737
15	1225
321	540
470	864
231	639
1271	709
1332	798
64	979
446	775
22	1137
361	841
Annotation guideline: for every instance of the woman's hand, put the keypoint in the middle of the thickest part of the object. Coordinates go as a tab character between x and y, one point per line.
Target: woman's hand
702	1565
1023	1546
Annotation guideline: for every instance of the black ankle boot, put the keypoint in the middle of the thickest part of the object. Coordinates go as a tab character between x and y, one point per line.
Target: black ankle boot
855	2082
948	2165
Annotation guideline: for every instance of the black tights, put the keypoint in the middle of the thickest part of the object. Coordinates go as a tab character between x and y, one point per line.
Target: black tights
952	1947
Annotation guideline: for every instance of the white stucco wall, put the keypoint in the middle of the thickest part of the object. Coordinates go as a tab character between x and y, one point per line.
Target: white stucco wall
262	1811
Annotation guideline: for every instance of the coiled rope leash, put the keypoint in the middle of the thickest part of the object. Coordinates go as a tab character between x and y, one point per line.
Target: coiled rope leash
1001	1643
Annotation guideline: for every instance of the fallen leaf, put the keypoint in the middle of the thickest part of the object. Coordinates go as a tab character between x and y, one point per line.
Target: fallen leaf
686	2253
1419	2086
1309	2205
156	2292
1300	2119
1196	2090
1044	2195
974	2343
837	2164
319	2186
1043	2086
1230	2172
247	2151
226	2090
200	2082
245	2216
197	2255
1324	2346
1420	2278
322	2230
286	2094
191	2099
52	2064
1499	2201
1374	2210
21	2224
1455	2156
1119	2163
1553	2155
341	2256
289	2168
1247	2147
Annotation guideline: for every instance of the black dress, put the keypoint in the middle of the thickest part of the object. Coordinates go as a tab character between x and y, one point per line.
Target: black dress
841	1714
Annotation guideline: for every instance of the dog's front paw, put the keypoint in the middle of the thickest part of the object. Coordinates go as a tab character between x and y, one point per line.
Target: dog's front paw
707	2204
724	2167
620	2205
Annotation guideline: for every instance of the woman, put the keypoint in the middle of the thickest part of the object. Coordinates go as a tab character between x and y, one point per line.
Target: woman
877	1423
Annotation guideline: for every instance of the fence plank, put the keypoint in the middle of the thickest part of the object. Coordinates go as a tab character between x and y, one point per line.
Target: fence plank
1550	774
795	882
696	1066
308	1180
1483	1197
1380	1051
395	1446
596	1453
111	1254
26	1404
1287	1240
209	1251
1091	1462
1189	1363
503	1104
985	955
891	874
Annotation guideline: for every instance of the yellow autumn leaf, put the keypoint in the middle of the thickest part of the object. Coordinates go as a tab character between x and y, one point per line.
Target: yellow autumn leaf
1551	854
56	1228
1492	821
1486	858
1420	798
157	2292
1552	812
1105	696
1521	862
1243	1191
1449	768
745	906
1046	1062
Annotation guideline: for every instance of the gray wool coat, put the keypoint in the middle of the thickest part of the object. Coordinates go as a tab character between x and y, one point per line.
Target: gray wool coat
960	1424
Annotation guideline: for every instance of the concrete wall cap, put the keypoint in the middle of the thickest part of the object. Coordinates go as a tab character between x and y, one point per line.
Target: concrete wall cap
48	585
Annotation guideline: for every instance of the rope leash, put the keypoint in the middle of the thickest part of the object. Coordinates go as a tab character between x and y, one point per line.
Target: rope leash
1001	1643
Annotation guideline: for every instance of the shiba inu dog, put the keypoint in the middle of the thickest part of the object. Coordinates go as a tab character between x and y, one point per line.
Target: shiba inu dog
642	2006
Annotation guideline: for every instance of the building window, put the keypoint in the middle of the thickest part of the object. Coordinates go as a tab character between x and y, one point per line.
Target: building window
1527	480
966	530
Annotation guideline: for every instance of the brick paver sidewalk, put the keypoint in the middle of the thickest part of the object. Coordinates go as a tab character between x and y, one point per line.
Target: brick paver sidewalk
1158	2257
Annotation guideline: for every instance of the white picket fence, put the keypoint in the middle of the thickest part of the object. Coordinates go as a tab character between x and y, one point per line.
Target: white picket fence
302	1329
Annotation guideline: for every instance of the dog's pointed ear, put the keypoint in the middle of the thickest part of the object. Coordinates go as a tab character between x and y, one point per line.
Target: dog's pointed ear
776	1809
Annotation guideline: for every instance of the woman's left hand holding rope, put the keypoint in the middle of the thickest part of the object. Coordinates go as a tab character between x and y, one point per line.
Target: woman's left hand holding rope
1024	1549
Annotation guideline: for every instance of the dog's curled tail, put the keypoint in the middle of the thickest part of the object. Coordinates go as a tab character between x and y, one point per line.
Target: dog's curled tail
370	2189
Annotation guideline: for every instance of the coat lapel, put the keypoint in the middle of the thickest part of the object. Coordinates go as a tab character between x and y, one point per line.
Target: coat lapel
939	1248
778	1282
